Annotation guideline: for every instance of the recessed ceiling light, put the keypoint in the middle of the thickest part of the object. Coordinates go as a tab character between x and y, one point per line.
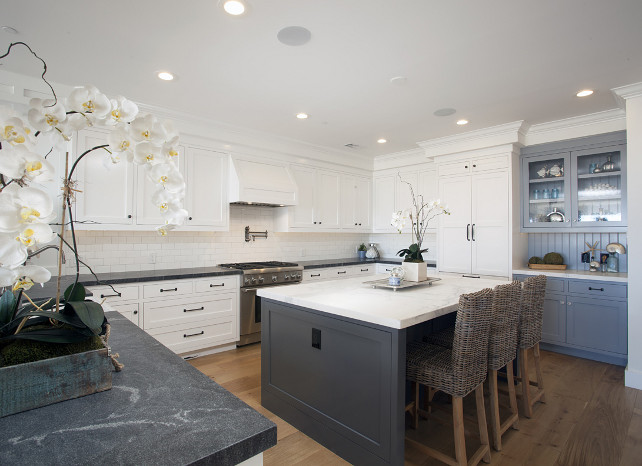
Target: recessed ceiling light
165	75
398	81
382	141
442	112
294	35
9	30
584	93
462	122
301	116
234	7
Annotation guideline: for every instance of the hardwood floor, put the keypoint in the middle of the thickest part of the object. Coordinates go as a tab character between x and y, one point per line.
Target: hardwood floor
589	418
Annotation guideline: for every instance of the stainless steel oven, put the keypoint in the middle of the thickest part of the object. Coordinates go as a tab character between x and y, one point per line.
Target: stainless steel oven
259	275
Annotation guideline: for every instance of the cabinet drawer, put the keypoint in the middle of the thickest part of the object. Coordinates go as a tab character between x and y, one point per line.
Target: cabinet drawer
216	284
192	338
489	163
315	274
369	269
186	310
121	293
131	311
598	289
340	272
167	289
385	268
555	285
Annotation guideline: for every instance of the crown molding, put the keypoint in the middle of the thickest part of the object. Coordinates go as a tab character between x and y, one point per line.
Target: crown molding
508	133
576	127
629	91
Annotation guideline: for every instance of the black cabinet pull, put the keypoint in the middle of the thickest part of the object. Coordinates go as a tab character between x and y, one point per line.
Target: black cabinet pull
595	289
185	335
212	285
196	309
342	272
117	295
315	275
169	289
468	232
364	270
473	231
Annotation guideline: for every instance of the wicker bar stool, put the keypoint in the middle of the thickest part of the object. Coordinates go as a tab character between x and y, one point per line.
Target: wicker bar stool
502	349
530	334
457	372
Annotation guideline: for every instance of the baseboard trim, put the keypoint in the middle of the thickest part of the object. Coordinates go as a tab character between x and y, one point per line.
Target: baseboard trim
632	379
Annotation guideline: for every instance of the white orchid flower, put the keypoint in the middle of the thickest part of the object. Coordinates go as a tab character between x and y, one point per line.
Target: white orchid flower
167	176
28	275
23	205
34	235
122	111
147	153
18	162
74	122
7	276
44	115
13	129
166	202
146	128
88	100
170	151
169	133
121	142
164	230
12	253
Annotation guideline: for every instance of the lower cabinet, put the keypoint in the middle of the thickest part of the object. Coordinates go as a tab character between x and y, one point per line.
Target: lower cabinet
184	315
333	273
586	318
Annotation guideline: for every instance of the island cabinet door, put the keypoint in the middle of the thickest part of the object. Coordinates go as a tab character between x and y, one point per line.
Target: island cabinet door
597	323
339	373
554	322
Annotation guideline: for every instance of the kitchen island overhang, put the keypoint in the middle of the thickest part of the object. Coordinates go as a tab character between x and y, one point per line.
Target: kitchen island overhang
333	359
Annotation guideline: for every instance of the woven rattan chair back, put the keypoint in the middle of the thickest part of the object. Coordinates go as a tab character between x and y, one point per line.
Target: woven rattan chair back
470	342
502	339
532	302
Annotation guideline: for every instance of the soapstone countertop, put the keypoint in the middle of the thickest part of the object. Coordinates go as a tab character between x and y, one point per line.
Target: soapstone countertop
620	277
320	263
160	411
351	298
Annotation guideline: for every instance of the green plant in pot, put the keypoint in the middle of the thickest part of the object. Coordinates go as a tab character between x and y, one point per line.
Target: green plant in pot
361	251
26	210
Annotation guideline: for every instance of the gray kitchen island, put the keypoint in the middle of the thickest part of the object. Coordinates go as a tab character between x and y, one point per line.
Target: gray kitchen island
160	411
333	358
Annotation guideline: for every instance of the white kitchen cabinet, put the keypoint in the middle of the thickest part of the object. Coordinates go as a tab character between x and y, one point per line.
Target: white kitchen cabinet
206	196
318	204
474	239
356	194
105	193
339	272
384	203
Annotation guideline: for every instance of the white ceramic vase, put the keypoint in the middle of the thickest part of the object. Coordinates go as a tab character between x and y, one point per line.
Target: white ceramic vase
415	271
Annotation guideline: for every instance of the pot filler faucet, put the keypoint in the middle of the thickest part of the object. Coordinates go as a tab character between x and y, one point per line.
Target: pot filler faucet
254	234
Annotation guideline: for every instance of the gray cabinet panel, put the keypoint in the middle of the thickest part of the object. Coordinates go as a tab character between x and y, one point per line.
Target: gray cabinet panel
597	323
597	289
555	285
554	324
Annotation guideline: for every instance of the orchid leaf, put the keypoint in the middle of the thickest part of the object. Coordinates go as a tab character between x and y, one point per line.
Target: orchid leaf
90	312
7	305
75	292
44	304
51	335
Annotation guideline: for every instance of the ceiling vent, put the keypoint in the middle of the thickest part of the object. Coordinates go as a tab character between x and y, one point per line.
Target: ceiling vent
351	146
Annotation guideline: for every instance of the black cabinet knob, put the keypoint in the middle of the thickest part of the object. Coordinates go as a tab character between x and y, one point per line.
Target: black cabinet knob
190	218
129	216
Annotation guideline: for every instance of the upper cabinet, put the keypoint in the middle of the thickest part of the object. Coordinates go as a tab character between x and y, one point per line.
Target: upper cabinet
577	185
356	192
118	196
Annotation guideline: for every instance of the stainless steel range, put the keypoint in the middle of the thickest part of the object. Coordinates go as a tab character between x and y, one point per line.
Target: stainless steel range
258	275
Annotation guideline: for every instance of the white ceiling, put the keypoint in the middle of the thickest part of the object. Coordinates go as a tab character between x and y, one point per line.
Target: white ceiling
494	61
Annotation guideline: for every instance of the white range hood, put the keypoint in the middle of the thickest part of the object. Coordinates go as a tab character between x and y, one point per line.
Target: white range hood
261	183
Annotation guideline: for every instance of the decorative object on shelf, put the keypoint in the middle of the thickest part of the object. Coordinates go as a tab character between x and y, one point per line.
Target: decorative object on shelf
592	251
542	172
555	170
66	319
555	216
419	215
536	194
608	166
555	193
361	251
403	285
551	261
613	261
594	266
372	252
592	167
396	275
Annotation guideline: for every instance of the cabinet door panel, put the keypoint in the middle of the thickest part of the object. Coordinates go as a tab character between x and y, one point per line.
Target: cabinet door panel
384	203
554	322
106	189
348	203
363	204
303	213
327	199
597	323
146	212
489	229
454	231
206	199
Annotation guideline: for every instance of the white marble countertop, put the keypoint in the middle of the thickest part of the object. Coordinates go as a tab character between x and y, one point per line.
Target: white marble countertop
621	277
396	309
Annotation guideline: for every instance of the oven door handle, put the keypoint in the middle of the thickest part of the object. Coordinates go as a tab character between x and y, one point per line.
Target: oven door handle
247	290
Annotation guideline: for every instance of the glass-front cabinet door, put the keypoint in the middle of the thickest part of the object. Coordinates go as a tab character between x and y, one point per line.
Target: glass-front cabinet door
600	186
547	197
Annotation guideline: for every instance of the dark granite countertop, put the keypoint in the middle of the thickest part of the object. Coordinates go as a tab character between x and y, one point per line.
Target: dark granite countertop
160	411
316	264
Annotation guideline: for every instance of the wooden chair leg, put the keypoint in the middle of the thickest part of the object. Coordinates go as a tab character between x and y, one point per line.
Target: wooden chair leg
481	419
538	369
415	411
458	431
495	422
526	384
512	396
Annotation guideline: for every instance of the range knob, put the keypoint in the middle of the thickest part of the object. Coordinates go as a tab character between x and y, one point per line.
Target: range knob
261	279
298	276
247	281
274	278
253	280
286	277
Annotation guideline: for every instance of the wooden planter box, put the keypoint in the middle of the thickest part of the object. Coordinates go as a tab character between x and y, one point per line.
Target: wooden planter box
547	267
35	384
